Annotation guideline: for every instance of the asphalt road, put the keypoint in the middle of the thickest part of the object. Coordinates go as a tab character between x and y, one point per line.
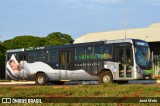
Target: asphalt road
80	82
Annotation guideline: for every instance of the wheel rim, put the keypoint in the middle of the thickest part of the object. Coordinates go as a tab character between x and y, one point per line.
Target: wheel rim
106	79
40	80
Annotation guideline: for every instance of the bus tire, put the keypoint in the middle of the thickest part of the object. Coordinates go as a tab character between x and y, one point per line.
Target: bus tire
105	77
40	79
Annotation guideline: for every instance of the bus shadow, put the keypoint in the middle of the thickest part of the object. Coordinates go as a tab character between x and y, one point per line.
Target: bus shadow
154	81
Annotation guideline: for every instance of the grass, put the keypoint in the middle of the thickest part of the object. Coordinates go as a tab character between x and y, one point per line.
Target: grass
5	80
106	90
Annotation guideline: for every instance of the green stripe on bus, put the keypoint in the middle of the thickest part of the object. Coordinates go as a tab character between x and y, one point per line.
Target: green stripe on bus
148	72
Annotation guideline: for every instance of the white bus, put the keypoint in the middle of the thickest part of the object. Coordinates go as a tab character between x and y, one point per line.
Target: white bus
103	61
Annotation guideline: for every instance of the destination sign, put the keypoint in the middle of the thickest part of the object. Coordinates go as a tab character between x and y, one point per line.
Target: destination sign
141	43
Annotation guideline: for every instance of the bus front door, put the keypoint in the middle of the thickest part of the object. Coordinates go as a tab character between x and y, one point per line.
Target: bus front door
64	61
125	63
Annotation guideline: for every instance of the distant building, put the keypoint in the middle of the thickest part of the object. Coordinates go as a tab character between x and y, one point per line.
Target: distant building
150	34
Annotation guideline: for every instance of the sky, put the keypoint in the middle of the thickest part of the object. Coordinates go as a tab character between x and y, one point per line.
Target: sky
73	17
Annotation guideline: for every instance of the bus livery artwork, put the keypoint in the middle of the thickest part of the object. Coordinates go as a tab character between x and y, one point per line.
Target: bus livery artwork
24	70
103	61
17	70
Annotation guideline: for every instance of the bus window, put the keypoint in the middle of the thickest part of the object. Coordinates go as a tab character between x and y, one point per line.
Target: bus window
23	57
39	55
45	56
80	54
97	52
128	55
9	56
84	53
62	58
89	54
31	57
107	52
52	56
68	57
35	56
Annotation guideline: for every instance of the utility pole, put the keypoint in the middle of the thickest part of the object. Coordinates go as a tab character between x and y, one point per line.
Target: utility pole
125	32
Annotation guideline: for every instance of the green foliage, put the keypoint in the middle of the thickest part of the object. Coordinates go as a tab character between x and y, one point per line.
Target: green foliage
55	38
58	38
23	42
2	54
2	60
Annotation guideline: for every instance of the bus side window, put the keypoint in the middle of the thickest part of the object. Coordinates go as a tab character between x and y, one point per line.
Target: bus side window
22	57
80	54
9	56
107	52
45	56
38	55
52	55
97	52
89	54
31	56
128	55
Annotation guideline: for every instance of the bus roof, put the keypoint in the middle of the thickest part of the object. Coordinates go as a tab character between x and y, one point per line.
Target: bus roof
72	45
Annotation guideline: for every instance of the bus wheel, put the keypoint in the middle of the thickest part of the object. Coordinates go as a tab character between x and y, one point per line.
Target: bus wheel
40	79
105	77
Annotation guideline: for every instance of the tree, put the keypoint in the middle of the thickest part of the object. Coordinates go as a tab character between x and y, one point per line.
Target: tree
57	38
23	42
2	62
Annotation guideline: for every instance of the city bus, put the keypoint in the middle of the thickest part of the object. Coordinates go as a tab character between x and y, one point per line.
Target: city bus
103	61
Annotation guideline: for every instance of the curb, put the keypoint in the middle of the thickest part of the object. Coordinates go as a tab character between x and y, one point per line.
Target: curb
17	82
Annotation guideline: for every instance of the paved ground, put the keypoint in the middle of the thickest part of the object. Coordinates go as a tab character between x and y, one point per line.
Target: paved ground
83	82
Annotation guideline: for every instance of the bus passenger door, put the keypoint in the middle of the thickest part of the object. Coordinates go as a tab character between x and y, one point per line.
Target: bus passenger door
124	58
64	62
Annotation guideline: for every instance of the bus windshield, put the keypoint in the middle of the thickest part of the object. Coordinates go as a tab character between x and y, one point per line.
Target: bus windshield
142	55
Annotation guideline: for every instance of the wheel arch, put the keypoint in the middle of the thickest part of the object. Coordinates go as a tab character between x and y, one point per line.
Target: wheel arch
47	78
106	70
